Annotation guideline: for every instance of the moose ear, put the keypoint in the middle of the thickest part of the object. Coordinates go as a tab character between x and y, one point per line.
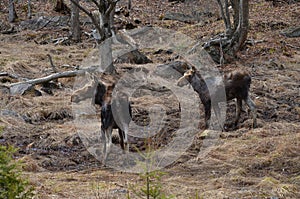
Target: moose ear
110	87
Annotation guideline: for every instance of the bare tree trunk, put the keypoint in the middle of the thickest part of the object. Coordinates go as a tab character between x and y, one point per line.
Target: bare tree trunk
225	15
241	32
106	60
29	9
75	23
103	25
225	46
235	8
129	5
12	15
105	48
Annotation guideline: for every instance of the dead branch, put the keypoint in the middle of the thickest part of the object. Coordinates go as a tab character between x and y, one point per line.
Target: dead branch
6	74
217	41
20	87
51	63
296	47
10	31
252	42
60	40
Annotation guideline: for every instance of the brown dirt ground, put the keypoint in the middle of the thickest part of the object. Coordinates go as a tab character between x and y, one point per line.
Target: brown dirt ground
244	163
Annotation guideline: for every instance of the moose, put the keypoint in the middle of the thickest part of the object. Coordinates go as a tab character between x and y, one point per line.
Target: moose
115	104
102	94
237	84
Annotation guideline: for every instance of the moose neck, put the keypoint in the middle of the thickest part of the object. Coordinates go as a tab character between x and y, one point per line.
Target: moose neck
196	82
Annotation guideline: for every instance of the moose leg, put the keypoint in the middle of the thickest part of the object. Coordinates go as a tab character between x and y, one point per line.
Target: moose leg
121	135
218	115
103	138
238	110
207	109
108	142
252	107
206	101
126	127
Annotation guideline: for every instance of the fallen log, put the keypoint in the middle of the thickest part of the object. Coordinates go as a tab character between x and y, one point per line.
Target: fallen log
19	88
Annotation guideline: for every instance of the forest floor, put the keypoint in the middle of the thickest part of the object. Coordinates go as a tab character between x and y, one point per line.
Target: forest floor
242	163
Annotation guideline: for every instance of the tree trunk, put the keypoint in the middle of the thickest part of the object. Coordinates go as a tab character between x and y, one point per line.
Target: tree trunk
224	48
12	15
105	53
103	21
75	23
129	5
241	32
29	9
105	42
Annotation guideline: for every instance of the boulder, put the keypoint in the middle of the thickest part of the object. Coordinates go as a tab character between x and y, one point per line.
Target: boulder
133	57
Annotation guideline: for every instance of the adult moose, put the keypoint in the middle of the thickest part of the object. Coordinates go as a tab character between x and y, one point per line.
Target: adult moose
237	85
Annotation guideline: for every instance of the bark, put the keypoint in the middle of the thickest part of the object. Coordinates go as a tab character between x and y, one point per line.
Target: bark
29	9
12	15
241	32
225	15
75	23
235	8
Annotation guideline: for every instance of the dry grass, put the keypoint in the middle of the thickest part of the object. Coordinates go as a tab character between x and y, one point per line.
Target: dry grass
243	163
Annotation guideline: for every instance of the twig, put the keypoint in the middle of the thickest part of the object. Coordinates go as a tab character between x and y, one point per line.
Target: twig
10	31
221	55
216	41
59	40
289	45
253	42
68	66
51	62
119	185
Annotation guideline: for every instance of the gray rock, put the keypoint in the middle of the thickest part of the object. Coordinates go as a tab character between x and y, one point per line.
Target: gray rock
291	32
133	57
45	21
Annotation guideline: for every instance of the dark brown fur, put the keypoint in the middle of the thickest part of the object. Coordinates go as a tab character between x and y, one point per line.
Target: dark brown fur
109	121
237	85
102	95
